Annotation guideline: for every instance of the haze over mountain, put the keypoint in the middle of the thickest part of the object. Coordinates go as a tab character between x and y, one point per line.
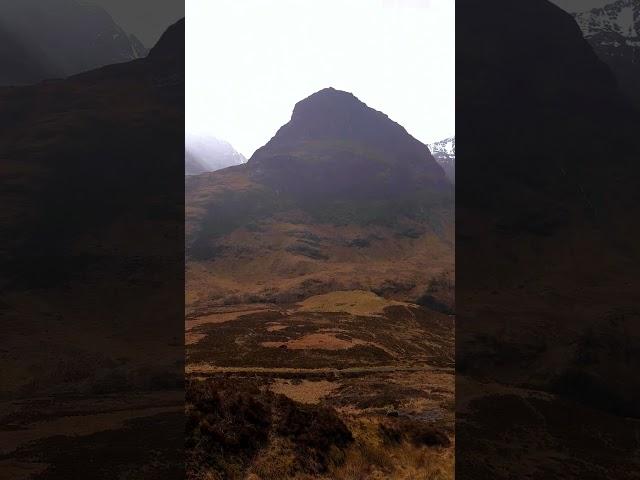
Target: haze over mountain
401	46
204	153
60	38
444	152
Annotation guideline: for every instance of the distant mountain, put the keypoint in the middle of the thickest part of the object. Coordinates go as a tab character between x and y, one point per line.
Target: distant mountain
614	33
208	154
444	152
63	37
342	197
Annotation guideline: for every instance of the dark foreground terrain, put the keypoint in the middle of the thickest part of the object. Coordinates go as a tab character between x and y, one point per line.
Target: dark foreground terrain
91	272
344	385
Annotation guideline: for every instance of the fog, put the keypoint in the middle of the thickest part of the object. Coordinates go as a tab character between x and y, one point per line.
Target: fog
249	62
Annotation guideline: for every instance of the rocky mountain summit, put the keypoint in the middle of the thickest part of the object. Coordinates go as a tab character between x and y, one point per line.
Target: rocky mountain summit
614	33
444	152
621	17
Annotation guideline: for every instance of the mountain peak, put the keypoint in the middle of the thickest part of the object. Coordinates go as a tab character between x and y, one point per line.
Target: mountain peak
332	105
336	145
336	116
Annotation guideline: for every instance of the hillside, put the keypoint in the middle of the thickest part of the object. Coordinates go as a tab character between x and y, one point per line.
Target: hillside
546	249
320	279
91	271
341	198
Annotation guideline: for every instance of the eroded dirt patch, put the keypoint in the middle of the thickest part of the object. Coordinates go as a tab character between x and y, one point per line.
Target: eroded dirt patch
304	391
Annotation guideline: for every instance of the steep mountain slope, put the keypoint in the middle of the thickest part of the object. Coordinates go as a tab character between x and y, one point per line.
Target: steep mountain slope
341	197
208	154
91	270
444	152
614	33
547	249
69	35
89	201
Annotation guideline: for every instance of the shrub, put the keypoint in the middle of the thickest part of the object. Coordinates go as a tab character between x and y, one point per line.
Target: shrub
230	422
417	433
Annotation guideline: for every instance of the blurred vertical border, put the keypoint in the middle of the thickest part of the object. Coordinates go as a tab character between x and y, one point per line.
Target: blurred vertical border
92	249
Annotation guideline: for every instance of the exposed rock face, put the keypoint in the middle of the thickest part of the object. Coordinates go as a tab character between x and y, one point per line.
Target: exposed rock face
64	36
614	33
444	152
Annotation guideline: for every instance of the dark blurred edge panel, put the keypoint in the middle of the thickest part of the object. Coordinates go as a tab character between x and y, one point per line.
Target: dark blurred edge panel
92	242
547	250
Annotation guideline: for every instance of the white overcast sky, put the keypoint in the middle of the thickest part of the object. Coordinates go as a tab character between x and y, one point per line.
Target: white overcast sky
248	62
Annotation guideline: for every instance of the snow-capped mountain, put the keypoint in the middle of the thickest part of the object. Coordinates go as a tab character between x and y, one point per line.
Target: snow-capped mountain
205	153
444	152
614	33
621	18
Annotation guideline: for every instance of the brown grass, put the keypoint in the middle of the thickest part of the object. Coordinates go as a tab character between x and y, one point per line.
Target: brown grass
355	302
319	341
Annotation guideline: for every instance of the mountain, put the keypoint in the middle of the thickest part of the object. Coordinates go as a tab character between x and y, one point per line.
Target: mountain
334	138
614	33
92	266
65	36
341	197
444	152
208	154
114	133
546	249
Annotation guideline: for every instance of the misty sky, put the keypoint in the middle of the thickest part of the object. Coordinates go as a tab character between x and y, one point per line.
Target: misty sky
250	61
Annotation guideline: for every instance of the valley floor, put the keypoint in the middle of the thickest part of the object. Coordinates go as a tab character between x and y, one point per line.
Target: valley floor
349	386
